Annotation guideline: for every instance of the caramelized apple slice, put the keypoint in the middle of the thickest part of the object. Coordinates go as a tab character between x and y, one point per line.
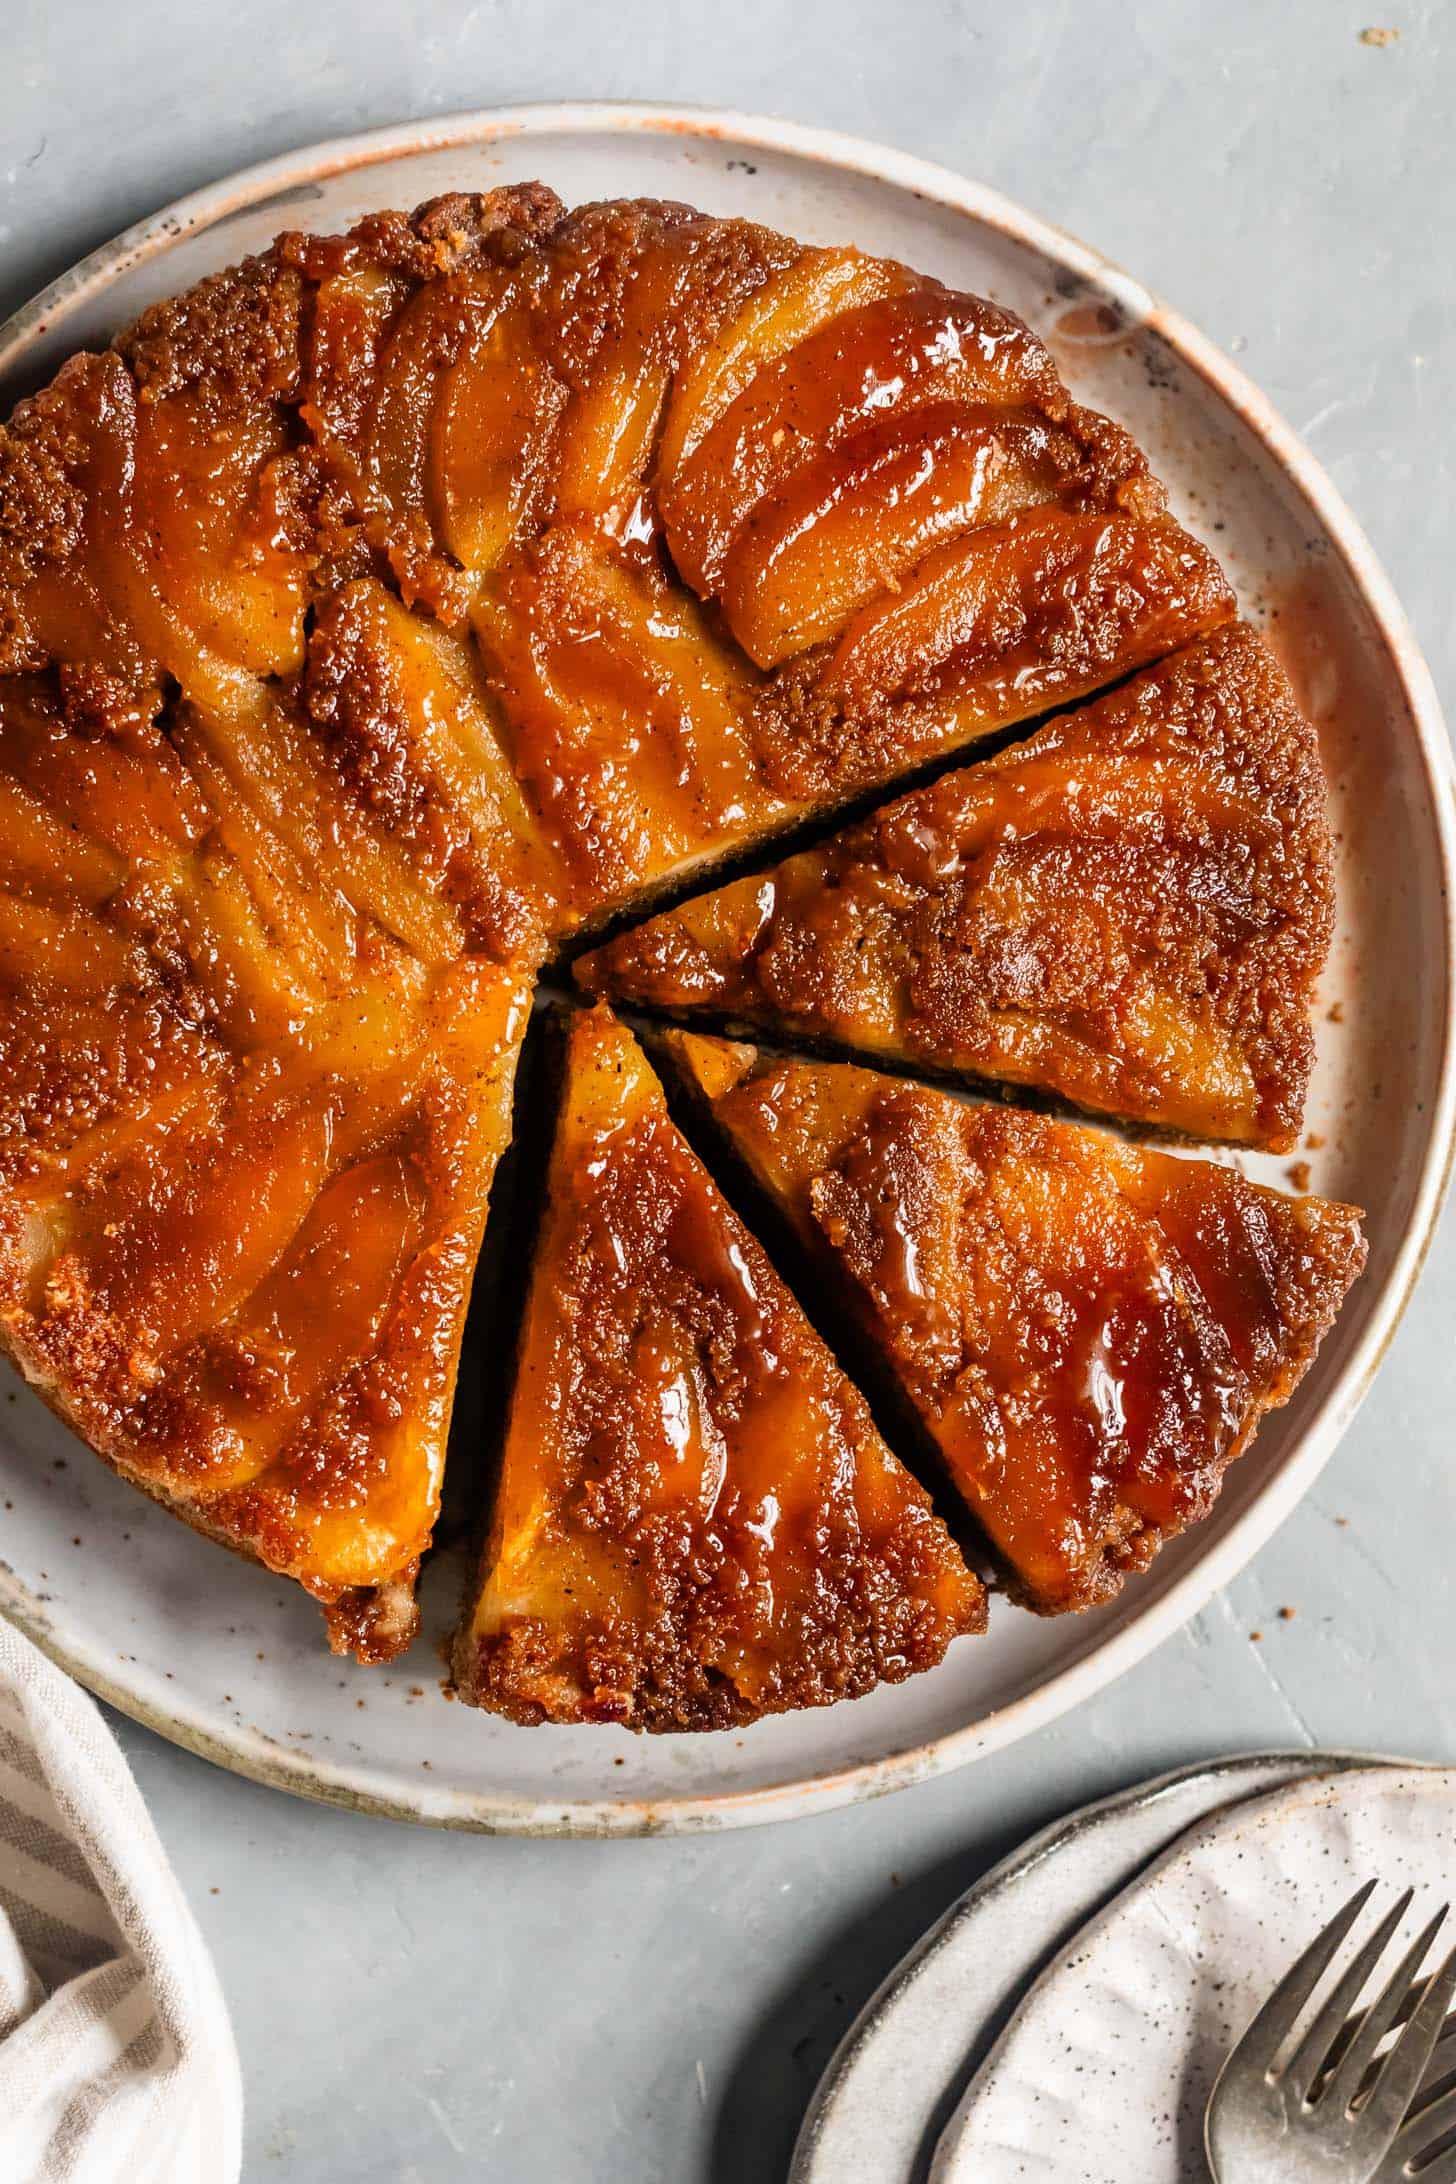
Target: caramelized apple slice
785	311
169	1255
611	422
1129	910
84	1085
64	951
275	765
201	502
324	1305
128	601
354	308
177	561
356	1491
696	1523
465	415
410	723
851	523
924	346
308	1323
986	632
41	854
125	790
1090	1333
495	429
628	722
65	459
249	1292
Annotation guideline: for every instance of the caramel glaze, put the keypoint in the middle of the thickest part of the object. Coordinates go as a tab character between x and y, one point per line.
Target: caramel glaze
344	666
1089	1332
1129	909
696	1522
424	496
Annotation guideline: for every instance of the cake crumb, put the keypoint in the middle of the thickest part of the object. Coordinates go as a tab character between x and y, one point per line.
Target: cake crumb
1378	37
1299	1173
1337	1012
1255	1637
1287	1615
1314	1143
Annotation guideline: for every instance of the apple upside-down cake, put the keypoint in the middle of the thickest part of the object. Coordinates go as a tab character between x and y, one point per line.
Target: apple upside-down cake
395	609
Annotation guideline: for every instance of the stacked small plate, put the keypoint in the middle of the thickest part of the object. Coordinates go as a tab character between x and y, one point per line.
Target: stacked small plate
1064	2021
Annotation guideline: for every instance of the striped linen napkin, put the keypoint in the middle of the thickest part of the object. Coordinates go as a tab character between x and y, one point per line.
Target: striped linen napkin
116	2057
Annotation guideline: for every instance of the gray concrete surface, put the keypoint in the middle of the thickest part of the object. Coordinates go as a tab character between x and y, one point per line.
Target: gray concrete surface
422	2010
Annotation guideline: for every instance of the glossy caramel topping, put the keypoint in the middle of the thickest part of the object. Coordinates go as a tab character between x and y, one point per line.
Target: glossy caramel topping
696	1522
345	665
1129	909
254	1096
433	488
1089	1332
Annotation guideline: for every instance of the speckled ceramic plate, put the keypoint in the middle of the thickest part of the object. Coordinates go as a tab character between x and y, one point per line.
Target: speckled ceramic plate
1133	2021
904	2066
228	1661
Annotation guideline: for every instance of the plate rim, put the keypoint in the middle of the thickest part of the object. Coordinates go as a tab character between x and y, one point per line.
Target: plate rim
257	1756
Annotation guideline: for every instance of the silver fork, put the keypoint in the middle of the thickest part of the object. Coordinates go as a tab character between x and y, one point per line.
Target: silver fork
1430	2118
1271	2114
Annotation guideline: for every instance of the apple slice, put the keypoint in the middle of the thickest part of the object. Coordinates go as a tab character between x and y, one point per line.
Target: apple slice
495	429
200	501
348	327
629	723
926	345
1029	613
276	764
851	523
404	708
125	790
789	307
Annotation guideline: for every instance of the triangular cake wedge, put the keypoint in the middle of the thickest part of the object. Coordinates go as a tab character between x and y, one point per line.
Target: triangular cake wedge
1128	910
247	1138
696	1522
1088	1332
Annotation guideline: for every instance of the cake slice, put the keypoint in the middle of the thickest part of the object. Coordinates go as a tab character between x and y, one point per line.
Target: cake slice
253	1088
1088	1333
696	1522
1128	910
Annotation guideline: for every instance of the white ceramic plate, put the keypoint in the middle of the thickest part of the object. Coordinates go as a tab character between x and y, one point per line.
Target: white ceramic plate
1128	2030
904	2065
228	1661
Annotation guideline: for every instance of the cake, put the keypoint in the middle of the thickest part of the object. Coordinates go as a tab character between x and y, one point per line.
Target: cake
1127	911
1088	1332
397	612
696	1522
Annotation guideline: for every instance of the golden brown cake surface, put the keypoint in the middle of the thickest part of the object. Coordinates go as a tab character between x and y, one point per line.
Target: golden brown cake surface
372	618
696	1522
1089	1332
1129	910
408	495
241	1270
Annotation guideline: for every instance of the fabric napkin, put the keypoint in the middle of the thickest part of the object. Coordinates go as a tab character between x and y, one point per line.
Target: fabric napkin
117	2063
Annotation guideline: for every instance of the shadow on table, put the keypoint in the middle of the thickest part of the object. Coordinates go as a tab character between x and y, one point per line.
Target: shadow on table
776	2071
